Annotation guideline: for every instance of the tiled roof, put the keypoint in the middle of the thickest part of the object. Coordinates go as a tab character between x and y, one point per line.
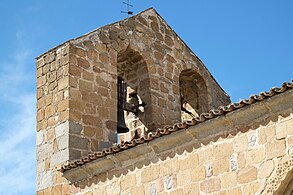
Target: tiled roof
222	110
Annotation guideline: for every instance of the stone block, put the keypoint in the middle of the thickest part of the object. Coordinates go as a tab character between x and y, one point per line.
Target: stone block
76	105
39	137
204	155
265	169
41	81
210	185
228	180
235	191
62	105
40	93
91	120
64	116
52	121
75	71
59	157
44	150
183	177
275	149
290	126
251	188
137	190
221	166
262	138
89	76
41	167
255	156
176	192
191	189
41	103
62	129
240	143
150	173
48	99
222	150
75	115
50	57
128	181
169	167
198	174
85	86
104	57
44	180
241	160
40	62
75	128
74	154
270	132
49	111
63	142
190	162
247	175
78	142
63	83
281	130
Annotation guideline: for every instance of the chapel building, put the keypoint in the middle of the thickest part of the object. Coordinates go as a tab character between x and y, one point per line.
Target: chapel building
129	109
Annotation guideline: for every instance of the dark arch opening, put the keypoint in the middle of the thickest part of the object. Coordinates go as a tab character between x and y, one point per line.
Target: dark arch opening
193	94
132	68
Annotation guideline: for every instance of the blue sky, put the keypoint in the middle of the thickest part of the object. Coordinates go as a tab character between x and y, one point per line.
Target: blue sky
246	45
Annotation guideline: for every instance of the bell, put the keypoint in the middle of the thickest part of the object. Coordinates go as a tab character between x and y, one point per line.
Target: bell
121	126
122	91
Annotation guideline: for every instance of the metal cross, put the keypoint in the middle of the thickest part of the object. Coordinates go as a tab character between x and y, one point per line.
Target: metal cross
128	12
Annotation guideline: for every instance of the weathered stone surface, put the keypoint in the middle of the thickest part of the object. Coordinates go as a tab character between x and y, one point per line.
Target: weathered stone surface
228	180
265	169
210	185
62	129
281	130
60	157
40	138
247	175
78	142
44	180
275	149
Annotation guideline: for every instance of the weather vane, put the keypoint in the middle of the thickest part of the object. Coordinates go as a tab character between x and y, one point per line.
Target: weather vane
128	12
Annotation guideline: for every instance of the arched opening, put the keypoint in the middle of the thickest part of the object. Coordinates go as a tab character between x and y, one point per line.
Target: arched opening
132	71
193	94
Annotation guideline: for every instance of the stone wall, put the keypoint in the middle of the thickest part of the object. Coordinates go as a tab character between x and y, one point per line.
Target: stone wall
77	89
248	151
150	57
52	114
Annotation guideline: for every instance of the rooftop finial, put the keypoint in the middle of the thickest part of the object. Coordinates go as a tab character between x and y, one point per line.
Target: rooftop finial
128	12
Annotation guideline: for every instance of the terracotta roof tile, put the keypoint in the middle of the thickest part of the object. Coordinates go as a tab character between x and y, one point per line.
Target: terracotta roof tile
222	110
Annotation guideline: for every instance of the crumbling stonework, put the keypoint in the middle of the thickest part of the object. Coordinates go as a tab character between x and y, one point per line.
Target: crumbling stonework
77	102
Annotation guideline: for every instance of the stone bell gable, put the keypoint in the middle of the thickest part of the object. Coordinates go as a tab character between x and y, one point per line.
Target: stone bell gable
78	87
